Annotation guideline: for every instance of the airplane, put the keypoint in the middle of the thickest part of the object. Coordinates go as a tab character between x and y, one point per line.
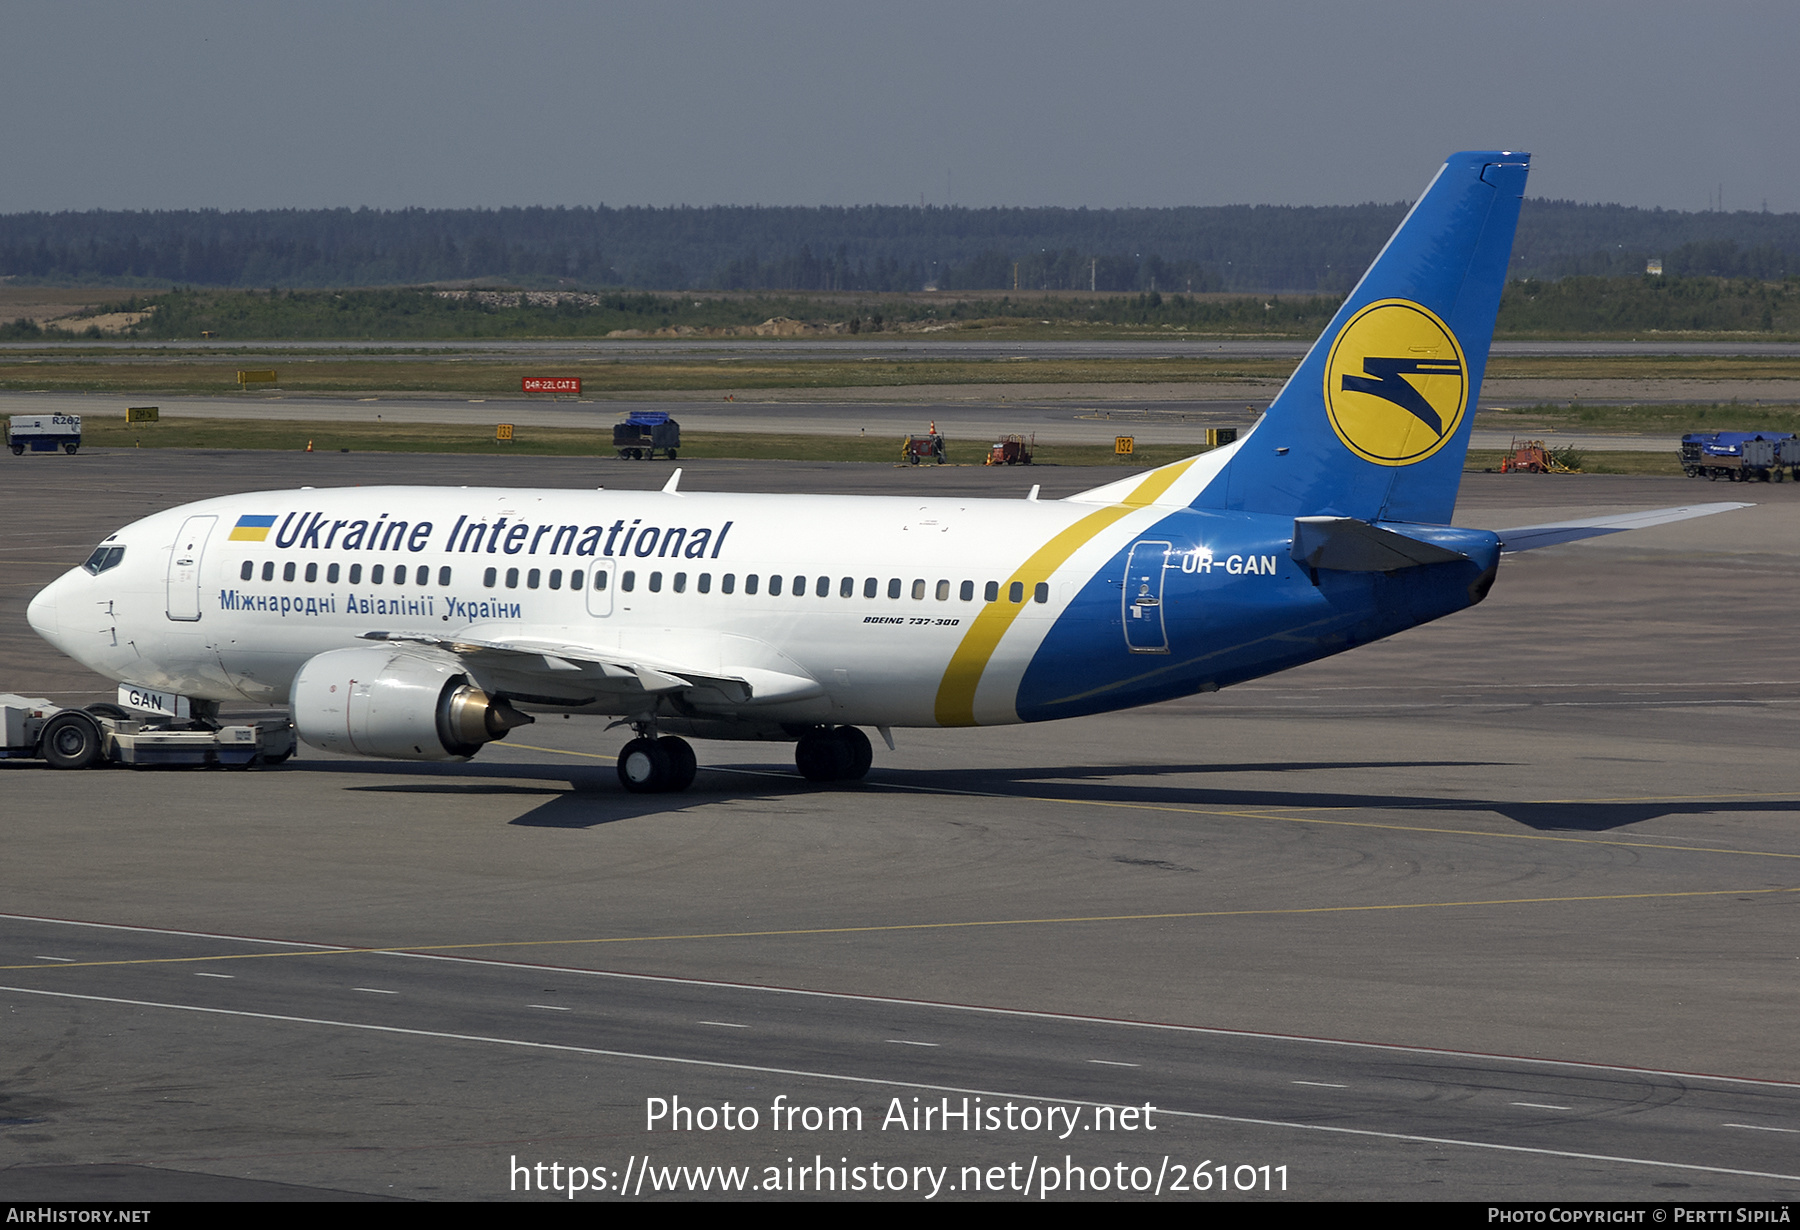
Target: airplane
420	623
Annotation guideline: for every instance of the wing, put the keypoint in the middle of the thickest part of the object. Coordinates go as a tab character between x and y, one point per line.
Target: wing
1531	537
550	670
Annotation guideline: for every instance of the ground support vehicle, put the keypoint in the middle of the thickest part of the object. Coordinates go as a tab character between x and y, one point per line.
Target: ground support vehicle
1740	456
644	432
32	728
1532	457
1011	450
43	433
921	448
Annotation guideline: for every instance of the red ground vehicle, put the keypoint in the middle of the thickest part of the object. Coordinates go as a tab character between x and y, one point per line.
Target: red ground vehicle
1011	451
923	448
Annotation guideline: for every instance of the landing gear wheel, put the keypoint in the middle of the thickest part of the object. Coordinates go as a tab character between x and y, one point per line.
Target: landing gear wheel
72	741
862	755
682	765
643	767
826	754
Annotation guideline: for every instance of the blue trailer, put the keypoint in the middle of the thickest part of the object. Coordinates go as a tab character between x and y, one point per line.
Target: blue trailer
43	433
1741	456
643	433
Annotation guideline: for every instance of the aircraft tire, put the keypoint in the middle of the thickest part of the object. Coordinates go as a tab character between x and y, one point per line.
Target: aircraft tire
861	753
821	756
72	740
682	765
644	767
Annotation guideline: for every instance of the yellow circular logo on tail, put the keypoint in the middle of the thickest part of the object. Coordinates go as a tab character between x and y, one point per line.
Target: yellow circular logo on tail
1396	384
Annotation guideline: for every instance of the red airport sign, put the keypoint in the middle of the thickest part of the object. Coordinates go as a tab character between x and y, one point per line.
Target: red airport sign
551	384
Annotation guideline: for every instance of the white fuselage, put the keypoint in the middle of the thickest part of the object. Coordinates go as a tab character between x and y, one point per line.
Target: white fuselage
867	597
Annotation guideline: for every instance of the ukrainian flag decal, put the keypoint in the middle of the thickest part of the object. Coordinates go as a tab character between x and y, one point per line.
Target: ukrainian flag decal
252	529
1396	384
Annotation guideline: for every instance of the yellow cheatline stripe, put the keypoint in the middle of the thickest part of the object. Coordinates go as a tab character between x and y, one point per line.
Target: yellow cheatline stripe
1275	912
956	693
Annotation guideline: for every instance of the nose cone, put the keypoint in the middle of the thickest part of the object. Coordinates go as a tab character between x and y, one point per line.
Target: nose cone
43	614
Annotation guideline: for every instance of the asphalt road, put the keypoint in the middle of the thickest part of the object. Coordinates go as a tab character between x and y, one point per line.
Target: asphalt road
1499	909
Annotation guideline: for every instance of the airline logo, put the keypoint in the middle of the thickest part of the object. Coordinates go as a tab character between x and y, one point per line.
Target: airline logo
1396	384
252	529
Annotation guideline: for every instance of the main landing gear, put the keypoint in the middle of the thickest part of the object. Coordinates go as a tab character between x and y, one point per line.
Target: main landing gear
649	765
833	754
656	766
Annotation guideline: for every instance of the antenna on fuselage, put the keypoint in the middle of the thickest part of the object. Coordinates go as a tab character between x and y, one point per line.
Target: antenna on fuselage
674	481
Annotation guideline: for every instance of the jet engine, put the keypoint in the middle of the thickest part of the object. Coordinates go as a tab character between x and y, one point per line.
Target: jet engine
399	703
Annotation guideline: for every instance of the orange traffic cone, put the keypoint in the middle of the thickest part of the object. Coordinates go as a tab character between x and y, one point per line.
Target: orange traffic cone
309	446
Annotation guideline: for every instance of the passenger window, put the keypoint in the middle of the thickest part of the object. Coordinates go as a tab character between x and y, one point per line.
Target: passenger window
1041	592
443	576
774	585
1015	592
532	578
268	570
704	585
749	584
656	582
487	578
799	590
376	573
575	580
822	587
847	587
918	591
992	592
680	586
967	592
399	574
943	591
356	574
287	571
894	587
244	573
627	580
331	574
556	578
728	583
312	573
870	586
512	577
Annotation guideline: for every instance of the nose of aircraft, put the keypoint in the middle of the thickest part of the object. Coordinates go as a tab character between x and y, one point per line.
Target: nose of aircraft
42	613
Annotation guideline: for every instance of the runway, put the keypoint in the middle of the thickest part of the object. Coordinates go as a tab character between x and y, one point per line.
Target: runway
1500	909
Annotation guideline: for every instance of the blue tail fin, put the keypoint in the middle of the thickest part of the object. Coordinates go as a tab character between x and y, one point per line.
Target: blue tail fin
1375	422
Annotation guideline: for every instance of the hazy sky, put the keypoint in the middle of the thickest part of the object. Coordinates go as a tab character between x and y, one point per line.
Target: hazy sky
231	105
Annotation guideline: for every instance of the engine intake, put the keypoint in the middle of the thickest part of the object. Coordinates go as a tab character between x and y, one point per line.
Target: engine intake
402	704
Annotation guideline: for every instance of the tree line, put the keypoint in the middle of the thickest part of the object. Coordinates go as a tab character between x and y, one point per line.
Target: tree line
1316	249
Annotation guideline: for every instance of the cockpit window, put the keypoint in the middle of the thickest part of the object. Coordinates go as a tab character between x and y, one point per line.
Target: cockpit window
104	558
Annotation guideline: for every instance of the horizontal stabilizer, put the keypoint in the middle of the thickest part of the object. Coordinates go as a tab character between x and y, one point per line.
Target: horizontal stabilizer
1345	544
1531	537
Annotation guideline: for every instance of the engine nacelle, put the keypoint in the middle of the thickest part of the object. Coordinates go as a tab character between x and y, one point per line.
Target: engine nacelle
404	704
